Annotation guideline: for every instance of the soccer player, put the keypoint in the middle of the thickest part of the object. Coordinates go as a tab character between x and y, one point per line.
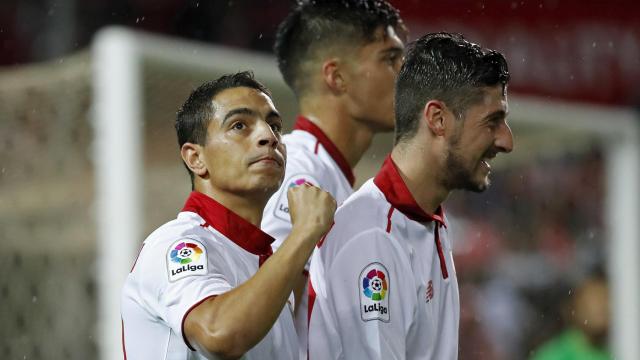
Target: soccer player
382	282
206	285
341	59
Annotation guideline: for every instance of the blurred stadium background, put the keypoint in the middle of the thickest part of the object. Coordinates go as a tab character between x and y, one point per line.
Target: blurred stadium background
71	101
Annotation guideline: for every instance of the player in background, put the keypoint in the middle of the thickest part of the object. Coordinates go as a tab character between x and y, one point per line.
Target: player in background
382	282
206	285
341	59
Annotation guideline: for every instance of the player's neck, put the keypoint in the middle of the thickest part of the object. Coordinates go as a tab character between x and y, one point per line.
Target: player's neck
421	176
244	206
349	136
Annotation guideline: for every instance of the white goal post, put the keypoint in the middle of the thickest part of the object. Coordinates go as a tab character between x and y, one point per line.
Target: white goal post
118	55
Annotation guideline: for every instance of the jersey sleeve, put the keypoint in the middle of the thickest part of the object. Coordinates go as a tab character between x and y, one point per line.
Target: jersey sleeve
368	299
192	273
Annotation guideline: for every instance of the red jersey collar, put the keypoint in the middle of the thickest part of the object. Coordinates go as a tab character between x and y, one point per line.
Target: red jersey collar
240	231
389	181
304	124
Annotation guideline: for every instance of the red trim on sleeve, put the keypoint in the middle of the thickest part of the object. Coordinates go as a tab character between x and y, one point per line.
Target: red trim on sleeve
315	149
312	300
389	219
184	318
304	124
124	350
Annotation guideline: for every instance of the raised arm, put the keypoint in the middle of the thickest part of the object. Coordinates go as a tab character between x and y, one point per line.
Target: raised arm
232	323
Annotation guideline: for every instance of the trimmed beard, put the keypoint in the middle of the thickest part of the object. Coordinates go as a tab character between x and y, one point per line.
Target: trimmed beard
457	175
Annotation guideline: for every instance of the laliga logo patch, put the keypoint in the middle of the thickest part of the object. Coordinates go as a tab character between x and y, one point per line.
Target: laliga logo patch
282	207
374	288
186	258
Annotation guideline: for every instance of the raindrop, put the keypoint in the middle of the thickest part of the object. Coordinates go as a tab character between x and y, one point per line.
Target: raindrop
586	321
570	290
197	4
610	44
593	45
137	20
34	299
260	36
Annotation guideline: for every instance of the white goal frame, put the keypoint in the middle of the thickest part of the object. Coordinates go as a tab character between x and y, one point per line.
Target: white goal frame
117	55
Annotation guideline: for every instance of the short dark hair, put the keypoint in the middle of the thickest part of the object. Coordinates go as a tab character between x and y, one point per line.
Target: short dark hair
446	67
314	25
193	117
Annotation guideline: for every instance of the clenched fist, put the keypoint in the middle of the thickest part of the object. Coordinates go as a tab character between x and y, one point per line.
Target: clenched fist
311	209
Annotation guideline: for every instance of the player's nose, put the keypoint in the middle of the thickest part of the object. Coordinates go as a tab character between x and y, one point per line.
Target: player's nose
266	135
504	139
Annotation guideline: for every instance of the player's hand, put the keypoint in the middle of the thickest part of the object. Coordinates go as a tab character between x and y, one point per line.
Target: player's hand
311	210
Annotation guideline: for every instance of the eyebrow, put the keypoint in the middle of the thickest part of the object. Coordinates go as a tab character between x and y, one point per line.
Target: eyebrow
393	50
498	114
247	111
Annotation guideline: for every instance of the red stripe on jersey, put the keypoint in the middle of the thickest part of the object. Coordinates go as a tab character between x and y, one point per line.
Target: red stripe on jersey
263	258
304	124
184	318
389	219
319	244
315	150
124	351
390	182
443	264
312	300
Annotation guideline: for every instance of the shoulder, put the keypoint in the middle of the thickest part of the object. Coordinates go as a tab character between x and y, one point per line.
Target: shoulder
179	242
367	208
361	218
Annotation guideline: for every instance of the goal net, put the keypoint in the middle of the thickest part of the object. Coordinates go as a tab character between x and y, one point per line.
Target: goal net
89	166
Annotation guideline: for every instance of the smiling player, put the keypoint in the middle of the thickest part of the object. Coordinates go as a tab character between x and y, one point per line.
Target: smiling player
382	283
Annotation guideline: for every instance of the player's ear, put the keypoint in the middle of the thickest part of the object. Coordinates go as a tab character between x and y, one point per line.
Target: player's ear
332	75
192	157
434	117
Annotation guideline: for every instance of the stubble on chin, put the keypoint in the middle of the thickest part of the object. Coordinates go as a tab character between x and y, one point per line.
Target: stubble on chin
459	177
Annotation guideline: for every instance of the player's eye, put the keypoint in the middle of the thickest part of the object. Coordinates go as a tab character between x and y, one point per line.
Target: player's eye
238	126
393	59
276	127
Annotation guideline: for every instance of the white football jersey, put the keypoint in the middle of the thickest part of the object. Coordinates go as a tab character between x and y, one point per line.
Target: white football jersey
382	283
208	250
311	157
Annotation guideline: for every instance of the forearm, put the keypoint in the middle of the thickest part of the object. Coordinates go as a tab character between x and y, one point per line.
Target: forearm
234	322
